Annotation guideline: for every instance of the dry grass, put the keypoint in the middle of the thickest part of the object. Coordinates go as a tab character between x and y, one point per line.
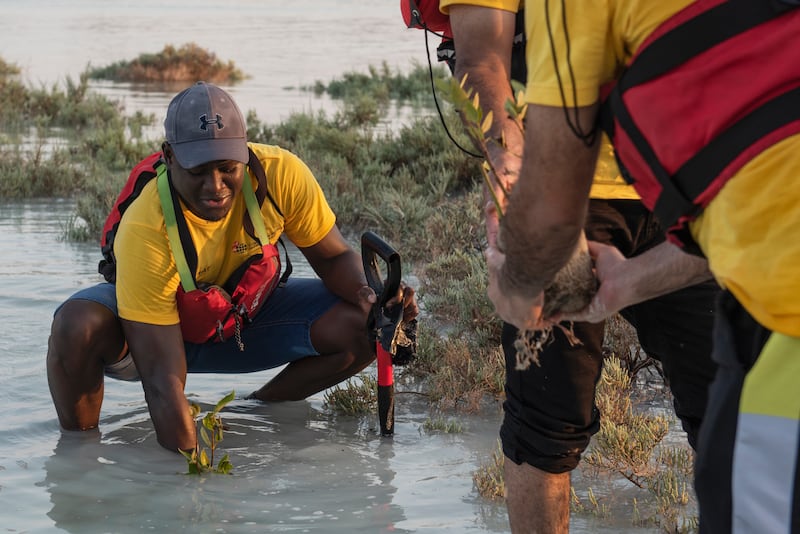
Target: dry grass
489	479
458	373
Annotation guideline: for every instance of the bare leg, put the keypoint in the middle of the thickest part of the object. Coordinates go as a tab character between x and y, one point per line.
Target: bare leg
340	336
537	501
83	338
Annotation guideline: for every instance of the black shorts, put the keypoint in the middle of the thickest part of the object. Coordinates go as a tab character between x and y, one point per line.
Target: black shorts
550	414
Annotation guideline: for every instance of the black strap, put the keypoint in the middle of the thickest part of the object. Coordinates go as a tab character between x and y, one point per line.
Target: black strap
696	174
674	201
262	193
697	35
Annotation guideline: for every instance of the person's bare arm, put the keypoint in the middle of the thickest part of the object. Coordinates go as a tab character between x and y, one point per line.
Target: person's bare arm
546	214
340	268
627	281
161	361
483	38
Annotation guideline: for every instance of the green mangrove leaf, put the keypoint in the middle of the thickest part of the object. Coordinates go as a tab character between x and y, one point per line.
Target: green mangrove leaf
224	466
518	87
205	436
209	420
511	109
203	461
224	400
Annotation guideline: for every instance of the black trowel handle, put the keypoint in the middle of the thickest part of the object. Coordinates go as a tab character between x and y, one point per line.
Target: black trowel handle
372	248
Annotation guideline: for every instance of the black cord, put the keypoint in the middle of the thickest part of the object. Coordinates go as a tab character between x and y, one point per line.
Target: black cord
433	92
587	137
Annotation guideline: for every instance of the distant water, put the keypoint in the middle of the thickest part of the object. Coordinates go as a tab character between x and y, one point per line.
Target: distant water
282	46
298	467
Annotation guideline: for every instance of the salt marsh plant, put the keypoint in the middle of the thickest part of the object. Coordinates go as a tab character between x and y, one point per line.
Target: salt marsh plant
186	63
442	425
358	396
630	444
489	479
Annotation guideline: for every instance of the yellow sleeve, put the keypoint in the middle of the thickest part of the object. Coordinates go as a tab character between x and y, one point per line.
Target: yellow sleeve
147	279
307	215
601	35
506	5
590	62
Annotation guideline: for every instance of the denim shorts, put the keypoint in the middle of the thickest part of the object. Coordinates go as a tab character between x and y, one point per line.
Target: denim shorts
280	333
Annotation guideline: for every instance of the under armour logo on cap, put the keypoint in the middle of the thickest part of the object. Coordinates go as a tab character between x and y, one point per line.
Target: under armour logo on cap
191	133
204	122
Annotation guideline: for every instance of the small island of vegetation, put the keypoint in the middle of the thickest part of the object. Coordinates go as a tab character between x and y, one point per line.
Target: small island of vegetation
187	63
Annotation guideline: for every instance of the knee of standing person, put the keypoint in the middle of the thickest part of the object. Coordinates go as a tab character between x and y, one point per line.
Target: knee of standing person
550	416
562	458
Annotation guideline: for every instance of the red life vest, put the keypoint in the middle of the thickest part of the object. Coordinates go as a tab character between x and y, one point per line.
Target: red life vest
211	313
711	88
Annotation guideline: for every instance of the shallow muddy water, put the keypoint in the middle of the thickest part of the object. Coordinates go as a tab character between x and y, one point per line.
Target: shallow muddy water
298	466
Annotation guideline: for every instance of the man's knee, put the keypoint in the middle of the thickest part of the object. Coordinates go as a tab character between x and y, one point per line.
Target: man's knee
560	458
549	409
83	328
343	328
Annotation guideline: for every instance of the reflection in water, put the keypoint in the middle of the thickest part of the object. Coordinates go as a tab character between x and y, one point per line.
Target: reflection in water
293	471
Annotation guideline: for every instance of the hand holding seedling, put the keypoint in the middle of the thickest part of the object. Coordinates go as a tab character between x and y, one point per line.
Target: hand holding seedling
573	286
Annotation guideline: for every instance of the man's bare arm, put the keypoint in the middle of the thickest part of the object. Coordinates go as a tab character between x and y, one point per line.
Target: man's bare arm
546	214
483	38
628	281
161	361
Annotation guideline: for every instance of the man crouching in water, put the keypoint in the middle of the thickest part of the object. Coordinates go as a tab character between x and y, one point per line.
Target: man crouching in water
194	279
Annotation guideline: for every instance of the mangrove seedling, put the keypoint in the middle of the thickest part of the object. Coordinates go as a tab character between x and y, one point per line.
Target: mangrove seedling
209	430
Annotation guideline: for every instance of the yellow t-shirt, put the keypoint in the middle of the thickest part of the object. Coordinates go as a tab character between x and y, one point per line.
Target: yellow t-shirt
608	182
147	278
505	5
749	231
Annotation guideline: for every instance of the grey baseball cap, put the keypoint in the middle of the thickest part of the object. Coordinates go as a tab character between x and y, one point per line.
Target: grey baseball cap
204	124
